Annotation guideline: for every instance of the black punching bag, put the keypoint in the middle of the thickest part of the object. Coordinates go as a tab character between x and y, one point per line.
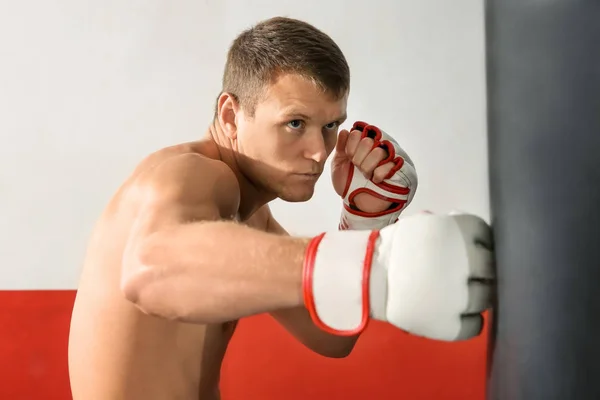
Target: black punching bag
543	71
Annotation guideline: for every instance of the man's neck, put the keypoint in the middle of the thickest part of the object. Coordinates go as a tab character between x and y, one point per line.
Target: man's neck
251	197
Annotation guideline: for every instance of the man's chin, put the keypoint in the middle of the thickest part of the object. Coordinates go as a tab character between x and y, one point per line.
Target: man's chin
297	197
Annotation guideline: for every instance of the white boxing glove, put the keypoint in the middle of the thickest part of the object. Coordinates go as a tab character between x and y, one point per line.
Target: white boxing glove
398	187
429	275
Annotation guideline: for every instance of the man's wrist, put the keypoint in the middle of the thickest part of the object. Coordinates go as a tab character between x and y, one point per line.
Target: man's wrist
354	219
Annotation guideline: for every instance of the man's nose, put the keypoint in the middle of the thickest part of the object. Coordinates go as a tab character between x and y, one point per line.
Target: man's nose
315	148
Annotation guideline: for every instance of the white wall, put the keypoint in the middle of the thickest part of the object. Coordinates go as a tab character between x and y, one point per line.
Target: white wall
87	88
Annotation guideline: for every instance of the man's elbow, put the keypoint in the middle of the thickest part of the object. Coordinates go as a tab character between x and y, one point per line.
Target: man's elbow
151	283
133	283
140	282
146	290
136	288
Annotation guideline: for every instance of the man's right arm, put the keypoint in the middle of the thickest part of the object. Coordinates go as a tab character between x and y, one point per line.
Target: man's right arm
187	261
427	274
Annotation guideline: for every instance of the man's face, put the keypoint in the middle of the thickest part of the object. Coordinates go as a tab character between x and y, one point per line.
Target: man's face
287	141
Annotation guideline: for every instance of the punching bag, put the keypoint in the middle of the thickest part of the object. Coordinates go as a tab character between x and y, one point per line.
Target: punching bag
543	72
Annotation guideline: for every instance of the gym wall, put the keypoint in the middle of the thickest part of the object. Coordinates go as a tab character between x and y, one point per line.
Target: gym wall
88	88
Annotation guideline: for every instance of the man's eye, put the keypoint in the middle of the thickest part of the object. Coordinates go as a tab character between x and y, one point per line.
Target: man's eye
295	124
331	125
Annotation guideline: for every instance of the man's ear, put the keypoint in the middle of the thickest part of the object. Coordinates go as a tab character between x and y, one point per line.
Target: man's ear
227	109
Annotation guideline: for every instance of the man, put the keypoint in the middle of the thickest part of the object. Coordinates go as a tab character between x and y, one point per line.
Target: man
187	246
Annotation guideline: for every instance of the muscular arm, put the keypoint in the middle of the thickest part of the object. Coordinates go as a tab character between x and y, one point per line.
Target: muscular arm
184	261
298	322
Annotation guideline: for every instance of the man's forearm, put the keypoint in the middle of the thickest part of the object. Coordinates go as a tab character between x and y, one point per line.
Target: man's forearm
209	272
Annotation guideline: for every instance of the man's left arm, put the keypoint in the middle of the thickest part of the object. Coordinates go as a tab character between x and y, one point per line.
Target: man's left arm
377	181
299	323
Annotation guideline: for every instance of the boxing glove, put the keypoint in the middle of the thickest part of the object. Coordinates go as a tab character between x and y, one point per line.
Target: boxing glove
429	275
398	187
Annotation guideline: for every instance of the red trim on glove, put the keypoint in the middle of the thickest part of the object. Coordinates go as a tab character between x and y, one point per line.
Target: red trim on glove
365	214
359	126
307	275
348	180
392	188
343	225
374	133
374	194
309	301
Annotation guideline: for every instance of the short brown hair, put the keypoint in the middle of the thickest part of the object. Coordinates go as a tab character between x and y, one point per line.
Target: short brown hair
282	45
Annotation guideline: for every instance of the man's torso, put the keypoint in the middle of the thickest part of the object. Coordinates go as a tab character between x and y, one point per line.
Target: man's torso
115	350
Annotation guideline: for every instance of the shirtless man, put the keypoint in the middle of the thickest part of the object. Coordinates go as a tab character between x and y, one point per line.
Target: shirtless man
187	246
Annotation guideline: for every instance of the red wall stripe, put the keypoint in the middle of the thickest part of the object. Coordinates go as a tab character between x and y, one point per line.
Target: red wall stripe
34	330
263	361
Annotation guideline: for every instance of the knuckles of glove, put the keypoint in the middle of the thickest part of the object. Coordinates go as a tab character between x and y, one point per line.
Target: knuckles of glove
367	156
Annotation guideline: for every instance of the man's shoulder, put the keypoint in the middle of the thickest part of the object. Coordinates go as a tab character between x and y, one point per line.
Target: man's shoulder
187	167
190	156
189	177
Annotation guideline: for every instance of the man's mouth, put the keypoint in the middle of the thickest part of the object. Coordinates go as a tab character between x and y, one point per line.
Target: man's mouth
310	175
